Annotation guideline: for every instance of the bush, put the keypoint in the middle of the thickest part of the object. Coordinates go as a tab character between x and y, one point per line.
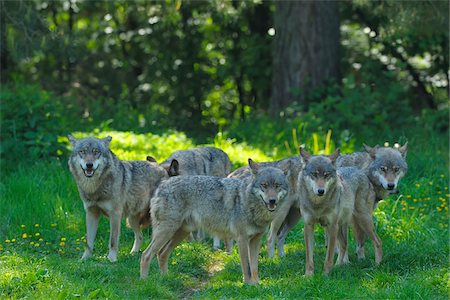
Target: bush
31	121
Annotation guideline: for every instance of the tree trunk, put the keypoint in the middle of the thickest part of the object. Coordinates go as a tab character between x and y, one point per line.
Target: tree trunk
306	51
3	46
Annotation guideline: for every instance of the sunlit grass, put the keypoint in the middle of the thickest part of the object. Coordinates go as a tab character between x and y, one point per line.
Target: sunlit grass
42	238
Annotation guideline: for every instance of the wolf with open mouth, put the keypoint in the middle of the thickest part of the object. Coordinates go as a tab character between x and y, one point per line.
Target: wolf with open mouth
115	188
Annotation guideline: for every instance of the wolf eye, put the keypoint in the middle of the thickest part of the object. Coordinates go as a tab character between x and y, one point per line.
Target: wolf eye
277	185
326	174
95	151
264	185
396	169
81	152
383	168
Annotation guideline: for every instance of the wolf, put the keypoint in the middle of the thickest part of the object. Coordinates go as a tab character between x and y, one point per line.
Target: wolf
358	190
385	167
290	209
227	207
209	161
323	199
115	188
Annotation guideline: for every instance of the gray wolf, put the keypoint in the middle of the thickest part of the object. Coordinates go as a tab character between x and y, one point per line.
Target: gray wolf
115	188
323	199
290	207
227	207
358	190
209	161
385	167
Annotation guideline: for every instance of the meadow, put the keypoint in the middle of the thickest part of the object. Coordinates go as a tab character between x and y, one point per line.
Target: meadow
42	236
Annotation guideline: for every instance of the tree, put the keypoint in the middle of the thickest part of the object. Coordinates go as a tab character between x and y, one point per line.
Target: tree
306	51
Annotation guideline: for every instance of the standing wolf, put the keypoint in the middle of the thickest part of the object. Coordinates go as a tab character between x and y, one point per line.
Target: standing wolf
384	167
112	187
209	161
227	207
290	207
325	200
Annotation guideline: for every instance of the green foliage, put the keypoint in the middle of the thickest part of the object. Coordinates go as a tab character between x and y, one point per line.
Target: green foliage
30	122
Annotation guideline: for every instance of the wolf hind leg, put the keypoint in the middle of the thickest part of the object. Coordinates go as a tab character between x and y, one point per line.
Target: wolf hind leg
369	229
163	254
133	221
160	237
360	237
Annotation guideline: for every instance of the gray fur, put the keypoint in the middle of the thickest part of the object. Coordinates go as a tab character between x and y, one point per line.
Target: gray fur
383	165
321	191
290	209
115	188
226	207
359	196
208	161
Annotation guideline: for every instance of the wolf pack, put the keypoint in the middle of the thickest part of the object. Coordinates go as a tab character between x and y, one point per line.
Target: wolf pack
195	191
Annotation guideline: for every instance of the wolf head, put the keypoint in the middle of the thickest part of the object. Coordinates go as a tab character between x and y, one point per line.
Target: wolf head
388	166
319	171
89	155
269	184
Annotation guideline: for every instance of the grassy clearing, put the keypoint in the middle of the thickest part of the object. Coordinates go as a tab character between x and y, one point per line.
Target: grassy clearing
42	237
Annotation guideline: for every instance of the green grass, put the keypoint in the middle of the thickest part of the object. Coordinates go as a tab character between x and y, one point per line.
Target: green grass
42	237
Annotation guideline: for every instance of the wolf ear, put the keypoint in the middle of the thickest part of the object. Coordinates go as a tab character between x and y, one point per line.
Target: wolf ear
174	168
333	156
304	154
151	159
286	167
106	141
253	166
72	140
370	150
403	149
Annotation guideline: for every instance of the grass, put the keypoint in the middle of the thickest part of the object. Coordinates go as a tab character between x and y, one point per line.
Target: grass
42	238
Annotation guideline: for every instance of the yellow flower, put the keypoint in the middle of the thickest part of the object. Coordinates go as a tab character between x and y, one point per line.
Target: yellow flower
7	241
24	235
61	251
13	240
53	224
47	243
78	248
63	239
417	184
439	192
408	196
62	244
439	208
431	182
1	248
41	239
415	200
23	226
37	234
36	245
36	225
31	243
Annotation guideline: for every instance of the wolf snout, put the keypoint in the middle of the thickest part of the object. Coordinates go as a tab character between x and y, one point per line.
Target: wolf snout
89	165
390	186
320	192
272	201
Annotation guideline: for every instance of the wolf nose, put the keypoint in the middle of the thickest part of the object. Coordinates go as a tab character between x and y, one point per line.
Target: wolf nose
272	201
391	186
320	191
89	165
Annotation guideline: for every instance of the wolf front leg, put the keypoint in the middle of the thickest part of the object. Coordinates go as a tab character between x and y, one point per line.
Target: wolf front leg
309	245
254	248
114	233
343	245
92	218
332	230
243	246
